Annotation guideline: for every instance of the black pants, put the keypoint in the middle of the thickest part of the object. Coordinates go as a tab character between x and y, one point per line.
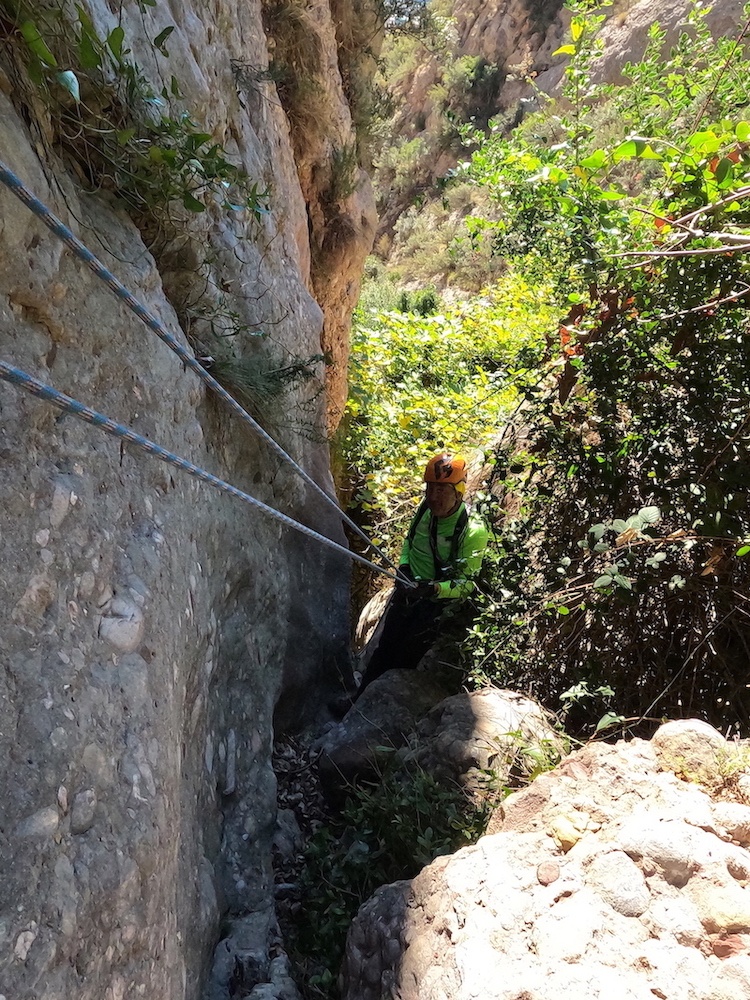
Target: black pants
409	629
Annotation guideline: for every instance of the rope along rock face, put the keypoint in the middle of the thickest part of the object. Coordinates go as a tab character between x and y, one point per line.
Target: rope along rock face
14	184
28	383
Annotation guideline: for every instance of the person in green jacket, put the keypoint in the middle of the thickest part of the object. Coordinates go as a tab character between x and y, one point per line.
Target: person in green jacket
442	554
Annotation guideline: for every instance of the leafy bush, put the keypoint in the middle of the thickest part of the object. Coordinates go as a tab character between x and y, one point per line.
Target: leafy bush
423	303
380	292
260	383
401	161
439	242
386	831
624	560
469	90
419	384
107	120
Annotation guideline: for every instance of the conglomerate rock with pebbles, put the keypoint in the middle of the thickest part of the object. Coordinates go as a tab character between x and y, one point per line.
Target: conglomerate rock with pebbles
622	874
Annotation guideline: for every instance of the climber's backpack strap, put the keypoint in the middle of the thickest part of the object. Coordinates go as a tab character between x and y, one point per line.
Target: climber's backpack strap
444	569
421	511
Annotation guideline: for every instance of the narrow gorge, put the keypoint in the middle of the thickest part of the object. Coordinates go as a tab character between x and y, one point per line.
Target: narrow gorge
173	660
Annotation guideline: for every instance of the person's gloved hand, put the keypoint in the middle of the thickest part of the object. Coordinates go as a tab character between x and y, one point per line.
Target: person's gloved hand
404	570
422	591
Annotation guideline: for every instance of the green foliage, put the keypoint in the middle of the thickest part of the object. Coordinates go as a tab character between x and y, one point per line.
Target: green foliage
572	204
344	173
380	293
402	160
412	165
733	763
400	58
423	303
441	241
405	17
259	383
468	91
632	203
422	383
120	134
387	830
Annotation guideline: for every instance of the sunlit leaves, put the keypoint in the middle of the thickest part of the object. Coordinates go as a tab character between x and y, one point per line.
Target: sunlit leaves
419	384
608	721
632	201
37	44
161	38
129	139
115	41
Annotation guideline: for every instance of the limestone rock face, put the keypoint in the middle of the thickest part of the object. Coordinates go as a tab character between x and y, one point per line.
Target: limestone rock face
152	630
521	36
325	51
611	876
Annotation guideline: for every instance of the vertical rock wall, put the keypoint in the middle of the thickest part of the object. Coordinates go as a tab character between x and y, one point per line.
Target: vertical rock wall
149	626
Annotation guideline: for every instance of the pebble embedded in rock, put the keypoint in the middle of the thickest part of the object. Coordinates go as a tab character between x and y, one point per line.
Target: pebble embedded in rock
122	626
60	505
731	944
619	882
568	827
24	941
690	749
42	823
548	872
83	812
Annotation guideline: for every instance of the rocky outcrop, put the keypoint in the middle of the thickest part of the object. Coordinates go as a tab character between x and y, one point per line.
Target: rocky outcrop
383	718
153	631
323	54
521	36
459	739
616	875
494	732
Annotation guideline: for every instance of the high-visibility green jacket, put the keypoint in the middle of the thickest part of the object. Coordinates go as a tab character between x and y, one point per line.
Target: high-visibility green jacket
459	558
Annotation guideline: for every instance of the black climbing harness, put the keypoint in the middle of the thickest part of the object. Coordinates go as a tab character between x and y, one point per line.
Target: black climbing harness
444	568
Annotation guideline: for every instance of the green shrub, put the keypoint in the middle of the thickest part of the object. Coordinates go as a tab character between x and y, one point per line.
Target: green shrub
387	830
624	557
259	382
419	384
380	291
426	302
107	120
623	213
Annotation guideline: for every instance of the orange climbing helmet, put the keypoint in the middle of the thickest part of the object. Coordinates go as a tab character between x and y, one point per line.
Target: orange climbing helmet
446	468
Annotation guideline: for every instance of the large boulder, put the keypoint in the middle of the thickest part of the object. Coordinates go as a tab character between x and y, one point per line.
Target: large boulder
472	734
611	876
381	720
464	738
